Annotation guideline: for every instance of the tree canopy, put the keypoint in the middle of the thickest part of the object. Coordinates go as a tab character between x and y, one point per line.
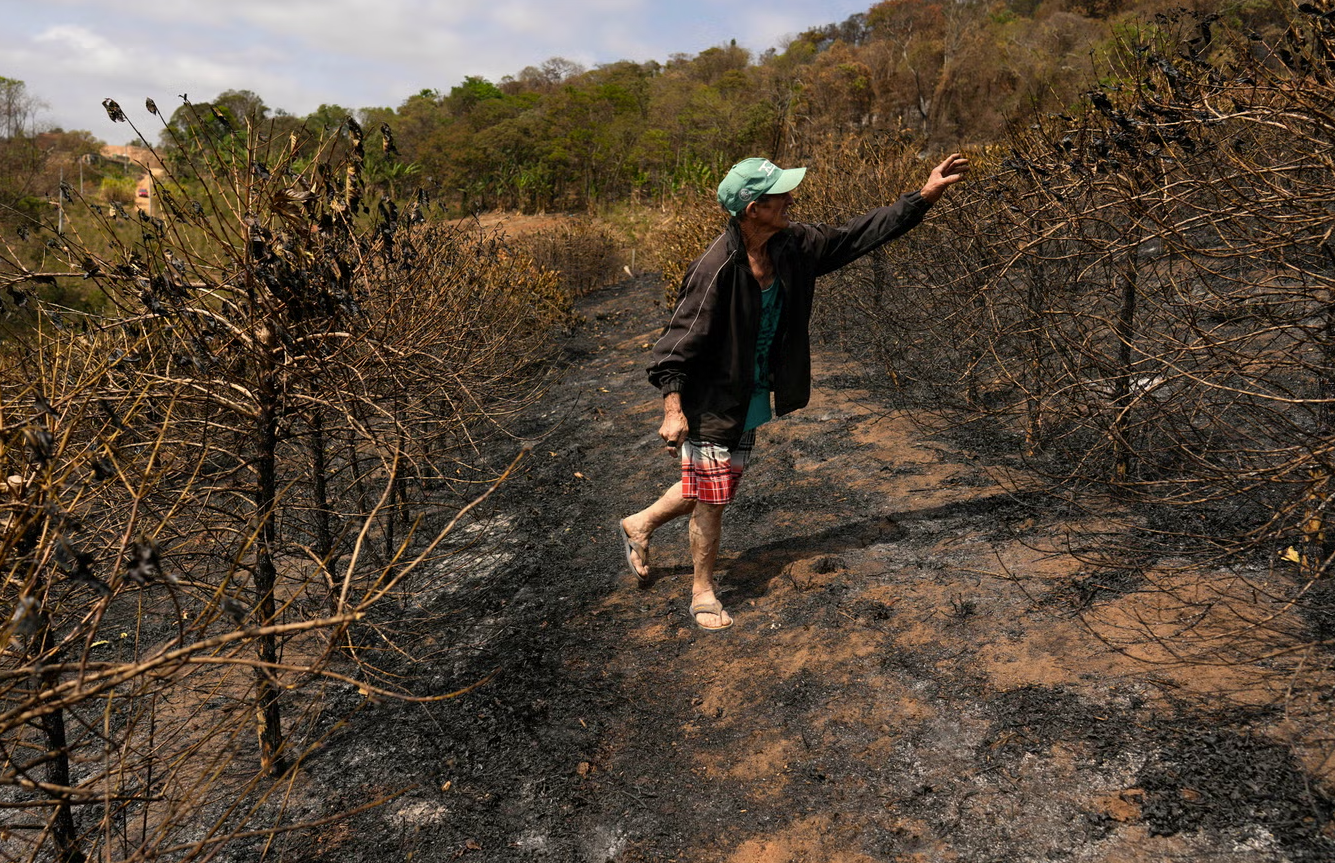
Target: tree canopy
560	136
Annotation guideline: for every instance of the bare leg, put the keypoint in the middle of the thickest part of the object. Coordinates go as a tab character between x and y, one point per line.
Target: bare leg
706	529
641	526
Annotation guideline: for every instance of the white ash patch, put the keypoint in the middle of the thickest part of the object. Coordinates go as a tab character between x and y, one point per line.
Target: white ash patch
416	813
606	844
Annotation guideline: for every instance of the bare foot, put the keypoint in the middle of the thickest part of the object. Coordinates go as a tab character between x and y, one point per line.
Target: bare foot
639	546
708	611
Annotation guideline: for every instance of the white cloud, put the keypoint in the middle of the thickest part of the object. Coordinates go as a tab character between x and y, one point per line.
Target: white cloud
85	49
299	53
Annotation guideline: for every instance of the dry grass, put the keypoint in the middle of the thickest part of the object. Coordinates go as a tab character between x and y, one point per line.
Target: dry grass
580	250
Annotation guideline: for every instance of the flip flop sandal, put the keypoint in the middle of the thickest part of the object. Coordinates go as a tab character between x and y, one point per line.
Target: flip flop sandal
715	608
630	547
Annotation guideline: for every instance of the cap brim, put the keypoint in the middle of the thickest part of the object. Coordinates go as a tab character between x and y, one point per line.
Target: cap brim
788	180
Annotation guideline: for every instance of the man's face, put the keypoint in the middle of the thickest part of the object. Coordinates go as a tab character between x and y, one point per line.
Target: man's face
771	211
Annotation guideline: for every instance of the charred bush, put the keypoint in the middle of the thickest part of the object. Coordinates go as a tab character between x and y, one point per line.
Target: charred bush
290	402
580	251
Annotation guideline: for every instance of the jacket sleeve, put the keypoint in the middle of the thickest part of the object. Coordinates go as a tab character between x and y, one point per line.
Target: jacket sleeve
684	338
835	247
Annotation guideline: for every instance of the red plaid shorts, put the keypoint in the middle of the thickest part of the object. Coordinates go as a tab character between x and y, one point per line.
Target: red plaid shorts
710	472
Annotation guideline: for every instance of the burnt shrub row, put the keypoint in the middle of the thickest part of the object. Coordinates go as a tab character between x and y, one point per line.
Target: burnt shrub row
1133	298
223	487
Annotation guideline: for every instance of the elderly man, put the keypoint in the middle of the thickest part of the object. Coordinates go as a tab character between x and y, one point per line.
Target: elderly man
737	352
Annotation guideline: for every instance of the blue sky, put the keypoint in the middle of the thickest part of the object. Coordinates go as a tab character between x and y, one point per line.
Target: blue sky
298	54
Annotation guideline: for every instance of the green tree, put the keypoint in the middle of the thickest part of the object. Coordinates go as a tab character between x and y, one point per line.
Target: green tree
467	95
18	109
22	161
326	118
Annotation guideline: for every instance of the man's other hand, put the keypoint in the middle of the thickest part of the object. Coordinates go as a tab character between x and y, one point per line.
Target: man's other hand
944	175
674	428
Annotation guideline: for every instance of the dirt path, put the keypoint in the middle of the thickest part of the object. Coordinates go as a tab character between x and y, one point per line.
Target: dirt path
145	159
909	677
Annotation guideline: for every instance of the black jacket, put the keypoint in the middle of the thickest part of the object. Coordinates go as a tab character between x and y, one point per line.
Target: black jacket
707	351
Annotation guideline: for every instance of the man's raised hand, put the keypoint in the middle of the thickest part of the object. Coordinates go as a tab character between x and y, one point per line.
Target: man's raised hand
944	175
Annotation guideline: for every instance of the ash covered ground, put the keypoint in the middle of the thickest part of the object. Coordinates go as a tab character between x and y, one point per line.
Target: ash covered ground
918	670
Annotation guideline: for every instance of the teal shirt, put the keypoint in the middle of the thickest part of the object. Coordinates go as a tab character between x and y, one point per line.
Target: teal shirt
771	304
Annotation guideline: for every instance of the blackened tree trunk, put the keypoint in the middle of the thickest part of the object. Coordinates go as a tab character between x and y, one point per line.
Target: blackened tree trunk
266	574
58	770
324	534
53	723
1125	330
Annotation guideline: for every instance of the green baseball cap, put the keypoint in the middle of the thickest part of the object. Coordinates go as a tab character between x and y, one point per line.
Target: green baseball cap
751	178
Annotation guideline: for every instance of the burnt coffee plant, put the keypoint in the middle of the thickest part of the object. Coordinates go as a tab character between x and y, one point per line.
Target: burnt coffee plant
221	489
1133	299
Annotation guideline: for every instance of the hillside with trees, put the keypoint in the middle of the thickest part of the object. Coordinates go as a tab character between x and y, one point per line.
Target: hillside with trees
557	136
560	137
